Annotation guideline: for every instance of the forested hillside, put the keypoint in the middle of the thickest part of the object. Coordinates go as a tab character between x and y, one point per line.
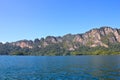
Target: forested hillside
102	41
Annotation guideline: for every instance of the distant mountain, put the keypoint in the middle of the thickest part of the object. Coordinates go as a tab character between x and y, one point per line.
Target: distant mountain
93	38
98	37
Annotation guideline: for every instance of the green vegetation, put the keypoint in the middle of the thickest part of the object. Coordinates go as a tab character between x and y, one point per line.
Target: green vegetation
113	49
59	50
78	44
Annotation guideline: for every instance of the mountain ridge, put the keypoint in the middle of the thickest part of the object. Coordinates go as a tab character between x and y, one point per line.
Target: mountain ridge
91	38
103	40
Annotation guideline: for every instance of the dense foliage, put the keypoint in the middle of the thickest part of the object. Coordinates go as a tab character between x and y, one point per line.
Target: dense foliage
59	50
102	41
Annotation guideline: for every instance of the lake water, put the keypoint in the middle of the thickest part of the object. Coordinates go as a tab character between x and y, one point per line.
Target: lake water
60	68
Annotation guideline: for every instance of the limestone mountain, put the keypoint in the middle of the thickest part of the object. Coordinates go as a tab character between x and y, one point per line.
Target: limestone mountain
96	37
98	41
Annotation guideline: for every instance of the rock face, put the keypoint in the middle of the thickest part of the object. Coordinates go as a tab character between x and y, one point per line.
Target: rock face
93	38
23	44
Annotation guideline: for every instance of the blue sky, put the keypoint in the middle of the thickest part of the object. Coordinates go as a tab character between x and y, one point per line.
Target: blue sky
30	19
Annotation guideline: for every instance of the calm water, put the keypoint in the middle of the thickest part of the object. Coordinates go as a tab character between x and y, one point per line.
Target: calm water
60	68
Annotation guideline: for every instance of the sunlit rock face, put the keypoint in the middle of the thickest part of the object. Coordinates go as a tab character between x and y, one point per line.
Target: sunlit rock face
24	44
93	38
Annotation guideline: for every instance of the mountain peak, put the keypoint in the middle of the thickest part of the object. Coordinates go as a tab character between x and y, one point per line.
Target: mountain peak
97	38
102	36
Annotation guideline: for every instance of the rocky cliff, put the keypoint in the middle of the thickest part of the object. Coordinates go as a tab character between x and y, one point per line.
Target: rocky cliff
96	37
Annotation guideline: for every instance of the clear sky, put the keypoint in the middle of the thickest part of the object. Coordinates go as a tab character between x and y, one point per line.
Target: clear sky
30	19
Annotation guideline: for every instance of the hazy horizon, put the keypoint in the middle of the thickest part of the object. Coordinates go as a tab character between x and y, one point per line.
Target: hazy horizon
28	19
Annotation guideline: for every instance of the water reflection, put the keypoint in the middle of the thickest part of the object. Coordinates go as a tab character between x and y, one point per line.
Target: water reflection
105	68
60	68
